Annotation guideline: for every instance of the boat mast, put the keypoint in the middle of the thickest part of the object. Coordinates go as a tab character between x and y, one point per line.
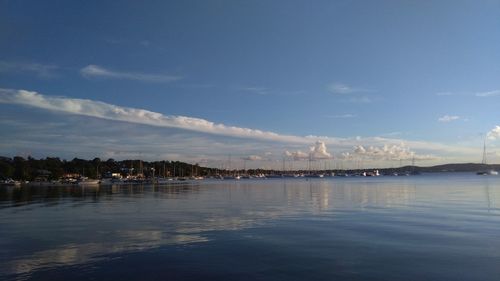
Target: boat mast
484	152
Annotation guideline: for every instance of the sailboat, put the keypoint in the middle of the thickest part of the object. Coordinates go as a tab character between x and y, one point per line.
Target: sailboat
490	172
83	180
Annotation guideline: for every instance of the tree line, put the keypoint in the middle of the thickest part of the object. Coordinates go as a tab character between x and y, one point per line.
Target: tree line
53	168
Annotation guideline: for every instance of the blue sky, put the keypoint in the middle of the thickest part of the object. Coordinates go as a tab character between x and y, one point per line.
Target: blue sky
419	76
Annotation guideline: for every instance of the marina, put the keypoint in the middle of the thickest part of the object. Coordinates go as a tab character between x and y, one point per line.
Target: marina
249	140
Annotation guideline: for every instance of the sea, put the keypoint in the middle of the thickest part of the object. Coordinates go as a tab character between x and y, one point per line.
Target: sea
443	226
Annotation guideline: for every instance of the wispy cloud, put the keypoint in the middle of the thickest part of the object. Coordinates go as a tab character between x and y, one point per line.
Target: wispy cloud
96	71
351	94
493	93
342	89
256	90
445	94
448	118
341	116
44	71
392	134
195	86
360	99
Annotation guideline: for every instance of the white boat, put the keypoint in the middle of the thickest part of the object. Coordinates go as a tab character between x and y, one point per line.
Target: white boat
10	182
86	181
488	172
314	175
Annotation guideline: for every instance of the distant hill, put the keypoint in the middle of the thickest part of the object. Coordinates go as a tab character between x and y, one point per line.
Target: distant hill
456	167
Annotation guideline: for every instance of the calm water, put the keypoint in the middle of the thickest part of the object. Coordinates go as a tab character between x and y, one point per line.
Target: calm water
429	227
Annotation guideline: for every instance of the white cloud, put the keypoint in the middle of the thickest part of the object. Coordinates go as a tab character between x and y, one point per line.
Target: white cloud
316	152
297	155
386	152
252	158
40	70
319	151
250	141
494	134
133	115
448	118
97	71
488	93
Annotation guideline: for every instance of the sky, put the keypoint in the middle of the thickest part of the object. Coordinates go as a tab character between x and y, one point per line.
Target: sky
343	83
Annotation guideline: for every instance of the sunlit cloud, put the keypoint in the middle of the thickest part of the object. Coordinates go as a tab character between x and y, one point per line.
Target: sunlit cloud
95	71
296	155
187	138
319	151
316	152
385	153
494	134
107	111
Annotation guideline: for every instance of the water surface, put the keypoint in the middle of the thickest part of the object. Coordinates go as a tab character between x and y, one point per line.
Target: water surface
429	227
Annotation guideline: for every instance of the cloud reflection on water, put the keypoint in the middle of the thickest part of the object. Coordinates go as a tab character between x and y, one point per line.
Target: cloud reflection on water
123	219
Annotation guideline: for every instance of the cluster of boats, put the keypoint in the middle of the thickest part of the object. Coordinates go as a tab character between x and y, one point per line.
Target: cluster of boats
115	180
10	182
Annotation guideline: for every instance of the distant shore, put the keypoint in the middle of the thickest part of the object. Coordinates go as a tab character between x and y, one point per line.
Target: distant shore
96	171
